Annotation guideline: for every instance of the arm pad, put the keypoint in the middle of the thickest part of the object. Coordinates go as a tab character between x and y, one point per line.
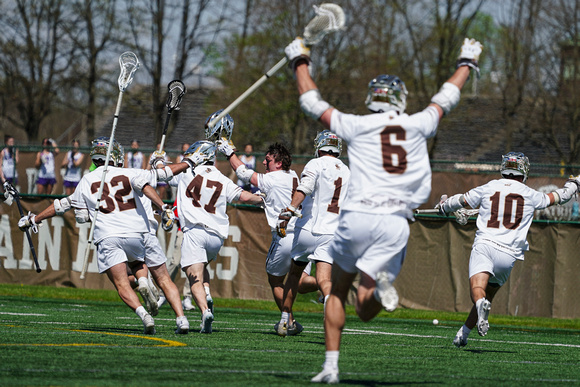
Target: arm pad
447	97
164	174
454	203
62	205
312	104
563	195
306	185
244	174
139	182
82	215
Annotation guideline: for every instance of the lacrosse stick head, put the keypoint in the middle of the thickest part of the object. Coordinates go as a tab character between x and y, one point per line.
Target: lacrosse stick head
176	90
222	128
129	64
329	18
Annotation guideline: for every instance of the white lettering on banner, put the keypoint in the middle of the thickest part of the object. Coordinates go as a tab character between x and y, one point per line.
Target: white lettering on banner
228	251
6	248
81	247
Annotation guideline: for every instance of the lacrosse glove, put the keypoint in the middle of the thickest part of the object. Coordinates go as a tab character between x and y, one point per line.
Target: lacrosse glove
28	222
296	51
469	55
284	218
157	159
226	147
167	217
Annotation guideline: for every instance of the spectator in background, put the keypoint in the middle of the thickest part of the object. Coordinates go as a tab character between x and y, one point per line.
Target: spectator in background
134	158
45	161
184	147
249	161
72	162
9	161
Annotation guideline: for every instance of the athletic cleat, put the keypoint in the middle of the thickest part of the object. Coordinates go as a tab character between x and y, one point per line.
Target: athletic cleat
187	304
482	315
281	328
386	292
328	376
148	325
460	341
294	329
150	300
182	325
209	303
206	321
161	302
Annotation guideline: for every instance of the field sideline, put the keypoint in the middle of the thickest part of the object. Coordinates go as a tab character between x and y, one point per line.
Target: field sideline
63	336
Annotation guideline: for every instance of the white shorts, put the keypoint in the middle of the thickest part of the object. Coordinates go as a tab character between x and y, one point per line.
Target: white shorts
370	243
154	255
485	258
278	259
311	246
114	250
199	246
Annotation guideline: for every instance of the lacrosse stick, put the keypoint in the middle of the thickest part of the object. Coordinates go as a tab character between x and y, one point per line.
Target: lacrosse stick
12	191
435	211
176	91
329	18
129	65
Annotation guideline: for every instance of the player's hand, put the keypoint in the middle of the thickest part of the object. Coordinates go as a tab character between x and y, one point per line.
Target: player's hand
281	227
8	199
469	55
289	212
441	205
461	216
157	159
28	222
226	147
167	217
296	51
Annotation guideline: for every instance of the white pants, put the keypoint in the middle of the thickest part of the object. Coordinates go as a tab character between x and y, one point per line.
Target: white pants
485	258
199	246
370	243
154	255
278	259
311	246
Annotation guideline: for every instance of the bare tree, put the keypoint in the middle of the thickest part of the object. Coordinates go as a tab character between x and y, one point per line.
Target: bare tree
34	60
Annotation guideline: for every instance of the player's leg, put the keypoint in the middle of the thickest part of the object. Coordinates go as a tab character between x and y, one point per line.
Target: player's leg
194	275
289	296
308	283
118	276
208	297
323	277
278	263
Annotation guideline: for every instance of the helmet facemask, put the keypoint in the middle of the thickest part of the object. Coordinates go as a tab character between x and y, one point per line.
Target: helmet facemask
515	164
386	93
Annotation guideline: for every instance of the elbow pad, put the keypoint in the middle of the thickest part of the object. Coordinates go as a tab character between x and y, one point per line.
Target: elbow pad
563	195
164	174
312	104
139	182
62	205
306	185
244	174
82	215
447	97
454	203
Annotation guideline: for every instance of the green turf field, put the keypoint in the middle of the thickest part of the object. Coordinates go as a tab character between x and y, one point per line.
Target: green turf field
61	336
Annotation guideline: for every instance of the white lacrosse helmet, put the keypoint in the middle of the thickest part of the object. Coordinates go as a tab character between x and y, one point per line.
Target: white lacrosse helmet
99	148
223	128
515	164
387	92
205	148
328	142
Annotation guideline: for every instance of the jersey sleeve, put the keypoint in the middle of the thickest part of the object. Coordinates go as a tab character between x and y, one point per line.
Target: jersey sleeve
76	199
264	182
474	196
427	121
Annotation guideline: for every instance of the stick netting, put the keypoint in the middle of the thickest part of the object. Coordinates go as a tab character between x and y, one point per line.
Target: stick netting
329	18
176	91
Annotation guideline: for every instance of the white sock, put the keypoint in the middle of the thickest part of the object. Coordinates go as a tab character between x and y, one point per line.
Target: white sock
284	317
143	282
207	293
141	312
331	361
326	298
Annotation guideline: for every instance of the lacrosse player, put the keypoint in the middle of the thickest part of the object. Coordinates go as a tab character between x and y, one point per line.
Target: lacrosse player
202	196
278	184
506	210
391	176
121	226
321	192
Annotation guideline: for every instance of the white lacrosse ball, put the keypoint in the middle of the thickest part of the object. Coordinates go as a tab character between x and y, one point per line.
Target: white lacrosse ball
435	322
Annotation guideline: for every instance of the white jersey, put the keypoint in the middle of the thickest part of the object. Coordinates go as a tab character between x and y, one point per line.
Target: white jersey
202	199
279	186
47	166
321	208
73	173
388	159
121	211
135	159
506	211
